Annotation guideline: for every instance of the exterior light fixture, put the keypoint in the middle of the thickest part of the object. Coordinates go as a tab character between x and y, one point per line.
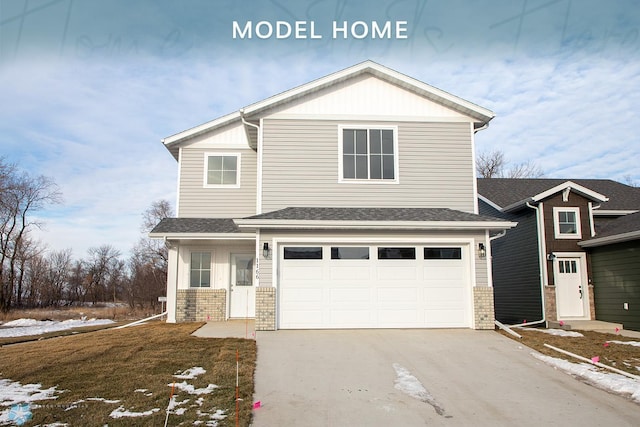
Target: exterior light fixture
265	250
551	256
482	251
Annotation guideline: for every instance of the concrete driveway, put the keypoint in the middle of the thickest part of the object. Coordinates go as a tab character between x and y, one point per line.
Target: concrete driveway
460	378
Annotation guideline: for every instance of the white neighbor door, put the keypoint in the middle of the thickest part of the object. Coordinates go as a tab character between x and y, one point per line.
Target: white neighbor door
571	294
243	293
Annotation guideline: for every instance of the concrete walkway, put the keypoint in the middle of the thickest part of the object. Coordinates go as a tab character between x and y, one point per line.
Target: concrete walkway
459	378
235	328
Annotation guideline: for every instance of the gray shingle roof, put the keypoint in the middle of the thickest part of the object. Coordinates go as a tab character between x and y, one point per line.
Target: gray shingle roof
372	214
507	191
196	225
625	224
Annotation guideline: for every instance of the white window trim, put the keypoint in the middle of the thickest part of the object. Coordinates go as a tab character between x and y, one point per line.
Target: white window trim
238	156
396	155
556	223
211	286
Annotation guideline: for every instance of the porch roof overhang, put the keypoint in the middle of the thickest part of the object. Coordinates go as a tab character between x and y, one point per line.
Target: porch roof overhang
199	229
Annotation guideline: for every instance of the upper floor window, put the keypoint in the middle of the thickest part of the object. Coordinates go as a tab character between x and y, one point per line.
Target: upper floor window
221	170
567	223
368	154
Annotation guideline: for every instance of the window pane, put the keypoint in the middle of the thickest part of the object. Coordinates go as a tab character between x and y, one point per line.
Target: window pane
230	163
387	141
442	253
561	266
348	166
215	163
376	166
568	229
206	260
303	253
361	141
374	141
349	253
387	167
195	260
348	146
574	267
396	253
229	177
361	167
204	280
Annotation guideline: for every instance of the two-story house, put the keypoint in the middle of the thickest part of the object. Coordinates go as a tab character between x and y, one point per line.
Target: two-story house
573	255
347	202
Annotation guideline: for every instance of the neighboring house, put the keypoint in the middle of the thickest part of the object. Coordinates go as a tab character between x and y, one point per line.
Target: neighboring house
347	202
543	268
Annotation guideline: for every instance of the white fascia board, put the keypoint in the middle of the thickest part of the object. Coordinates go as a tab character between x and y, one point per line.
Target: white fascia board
612	212
205	127
489	202
618	238
573	186
369	225
203	236
518	204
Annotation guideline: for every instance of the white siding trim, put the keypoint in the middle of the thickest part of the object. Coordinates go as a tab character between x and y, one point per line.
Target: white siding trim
473	167
179	181
259	170
368	117
542	244
556	223
487	246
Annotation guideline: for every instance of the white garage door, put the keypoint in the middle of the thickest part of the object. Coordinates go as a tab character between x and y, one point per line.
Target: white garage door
374	286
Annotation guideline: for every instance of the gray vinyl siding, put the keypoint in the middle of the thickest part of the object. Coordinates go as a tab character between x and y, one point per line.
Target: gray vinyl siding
199	202
300	167
516	272
616	280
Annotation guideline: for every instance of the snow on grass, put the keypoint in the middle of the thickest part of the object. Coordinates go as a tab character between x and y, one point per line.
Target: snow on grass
190	373
611	382
556	332
120	412
12	393
407	383
188	388
633	343
25	327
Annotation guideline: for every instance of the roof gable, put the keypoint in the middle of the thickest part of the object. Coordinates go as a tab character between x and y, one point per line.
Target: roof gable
621	230
253	112
509	193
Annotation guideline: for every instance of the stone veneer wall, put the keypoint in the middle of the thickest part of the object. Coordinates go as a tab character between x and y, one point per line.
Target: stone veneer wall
201	305
551	312
483	308
265	309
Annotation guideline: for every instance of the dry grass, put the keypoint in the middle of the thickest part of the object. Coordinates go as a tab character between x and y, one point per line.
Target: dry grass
113	364
621	356
120	312
74	331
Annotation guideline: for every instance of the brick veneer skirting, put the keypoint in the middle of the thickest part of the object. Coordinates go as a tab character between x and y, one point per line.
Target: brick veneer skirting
550	307
483	307
265	309
198	305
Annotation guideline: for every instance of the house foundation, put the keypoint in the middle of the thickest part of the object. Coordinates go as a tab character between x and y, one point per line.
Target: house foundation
483	310
201	305
265	309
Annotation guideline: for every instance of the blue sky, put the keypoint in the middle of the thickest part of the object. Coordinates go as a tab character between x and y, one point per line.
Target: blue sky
90	87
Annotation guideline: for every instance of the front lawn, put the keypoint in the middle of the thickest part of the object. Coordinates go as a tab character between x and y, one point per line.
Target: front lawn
125	377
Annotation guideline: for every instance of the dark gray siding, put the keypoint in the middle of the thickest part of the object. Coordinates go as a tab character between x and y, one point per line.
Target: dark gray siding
516	271
616	280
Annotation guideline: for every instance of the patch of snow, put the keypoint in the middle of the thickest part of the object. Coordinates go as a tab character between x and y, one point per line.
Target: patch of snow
190	373
25	327
120	412
192	390
633	343
144	391
102	399
12	393
609	381
407	383
556	332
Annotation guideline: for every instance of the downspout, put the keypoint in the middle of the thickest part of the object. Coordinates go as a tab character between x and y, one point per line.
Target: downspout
592	224
259	165
542	260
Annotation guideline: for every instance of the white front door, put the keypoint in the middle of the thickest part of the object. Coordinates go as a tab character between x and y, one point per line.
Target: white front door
571	292
242	292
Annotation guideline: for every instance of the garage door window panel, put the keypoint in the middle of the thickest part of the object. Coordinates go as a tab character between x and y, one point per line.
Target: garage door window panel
303	252
442	253
349	252
396	253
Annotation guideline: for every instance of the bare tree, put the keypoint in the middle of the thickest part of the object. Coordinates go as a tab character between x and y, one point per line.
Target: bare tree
103	271
628	180
494	165
20	196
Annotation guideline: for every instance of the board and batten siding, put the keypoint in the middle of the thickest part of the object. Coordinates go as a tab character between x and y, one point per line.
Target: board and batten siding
196	201
301	166
616	280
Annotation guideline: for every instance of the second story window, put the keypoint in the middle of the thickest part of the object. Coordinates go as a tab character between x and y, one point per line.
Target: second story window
222	170
368	154
567	223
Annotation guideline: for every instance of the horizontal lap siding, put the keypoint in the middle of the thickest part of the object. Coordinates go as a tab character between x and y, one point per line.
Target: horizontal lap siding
199	202
616	280
300	167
